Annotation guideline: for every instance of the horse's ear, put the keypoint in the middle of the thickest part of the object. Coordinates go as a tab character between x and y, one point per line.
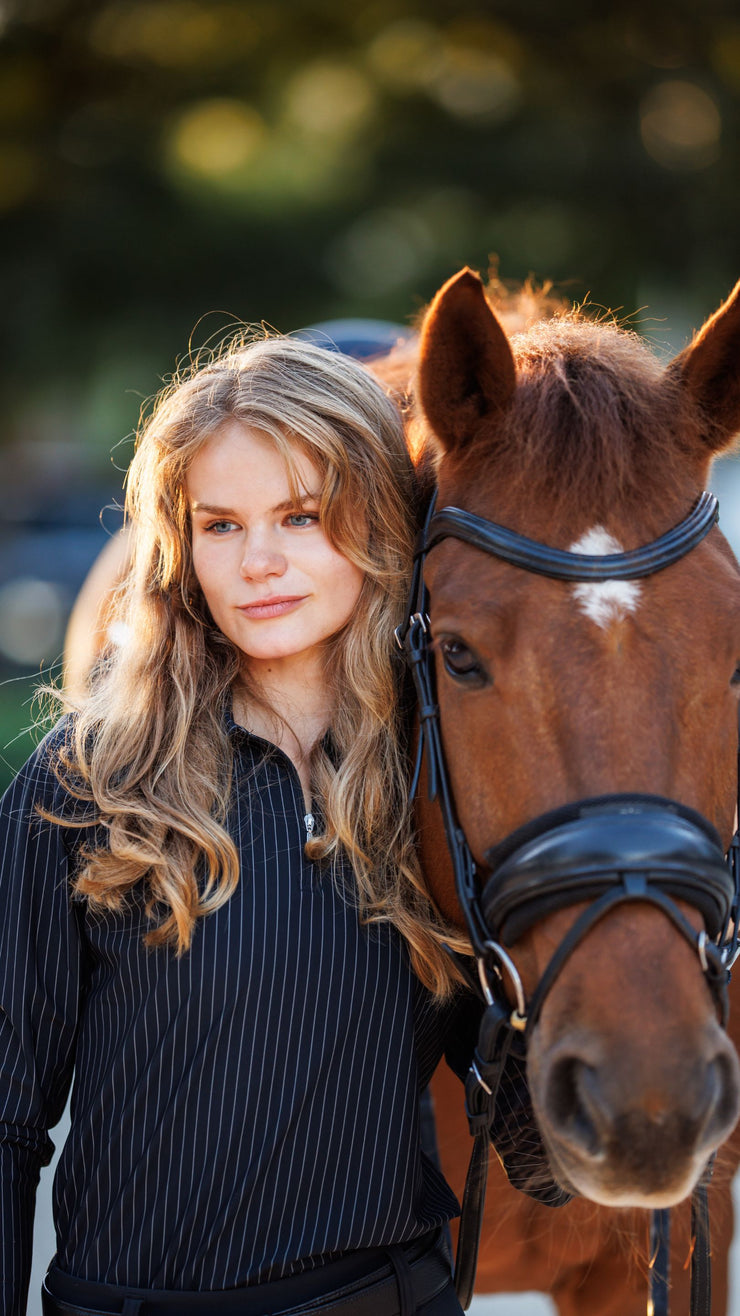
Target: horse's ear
466	369
710	369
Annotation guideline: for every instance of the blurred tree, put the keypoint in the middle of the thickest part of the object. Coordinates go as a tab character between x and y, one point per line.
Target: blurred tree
162	159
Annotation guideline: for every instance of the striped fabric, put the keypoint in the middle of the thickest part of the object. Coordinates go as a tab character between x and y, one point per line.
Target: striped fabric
238	1114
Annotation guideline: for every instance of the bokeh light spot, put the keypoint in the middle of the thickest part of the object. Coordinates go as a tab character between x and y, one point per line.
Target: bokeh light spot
407	54
328	99
216	137
382	250
174	33
32	615
476	84
680	126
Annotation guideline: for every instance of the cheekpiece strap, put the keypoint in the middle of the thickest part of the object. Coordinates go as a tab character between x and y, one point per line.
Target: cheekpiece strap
413	638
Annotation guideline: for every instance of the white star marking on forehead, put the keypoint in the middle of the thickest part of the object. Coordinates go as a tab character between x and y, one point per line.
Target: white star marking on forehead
604	601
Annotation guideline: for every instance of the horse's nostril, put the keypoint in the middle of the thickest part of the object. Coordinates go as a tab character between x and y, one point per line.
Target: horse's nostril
724	1095
601	1115
574	1104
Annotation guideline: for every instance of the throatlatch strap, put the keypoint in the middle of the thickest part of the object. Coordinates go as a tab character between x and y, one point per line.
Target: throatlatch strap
659	1275
481	1090
701	1266
471	1219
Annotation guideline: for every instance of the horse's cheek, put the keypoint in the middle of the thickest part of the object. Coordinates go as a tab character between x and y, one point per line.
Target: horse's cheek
434	855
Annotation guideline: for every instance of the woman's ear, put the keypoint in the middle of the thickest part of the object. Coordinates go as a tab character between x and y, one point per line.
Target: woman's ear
466	368
709	369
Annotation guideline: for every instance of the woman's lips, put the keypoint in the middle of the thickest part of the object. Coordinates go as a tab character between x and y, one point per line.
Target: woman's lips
276	607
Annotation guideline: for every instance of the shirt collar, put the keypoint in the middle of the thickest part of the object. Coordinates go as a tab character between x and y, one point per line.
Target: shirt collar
237	733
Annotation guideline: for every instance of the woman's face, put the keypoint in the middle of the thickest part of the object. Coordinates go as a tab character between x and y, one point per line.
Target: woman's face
273	582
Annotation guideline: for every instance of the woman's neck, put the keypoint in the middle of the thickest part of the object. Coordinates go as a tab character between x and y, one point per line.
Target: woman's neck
291	713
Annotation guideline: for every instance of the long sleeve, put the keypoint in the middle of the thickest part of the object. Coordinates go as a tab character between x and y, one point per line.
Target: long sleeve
39	998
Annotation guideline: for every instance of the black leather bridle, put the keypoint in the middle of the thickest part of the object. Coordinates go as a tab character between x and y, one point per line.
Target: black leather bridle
606	851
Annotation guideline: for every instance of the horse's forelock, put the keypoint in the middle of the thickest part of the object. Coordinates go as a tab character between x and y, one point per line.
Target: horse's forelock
596	423
596	419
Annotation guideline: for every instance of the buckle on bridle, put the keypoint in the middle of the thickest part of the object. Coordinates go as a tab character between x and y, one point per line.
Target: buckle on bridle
701	947
401	632
518	1016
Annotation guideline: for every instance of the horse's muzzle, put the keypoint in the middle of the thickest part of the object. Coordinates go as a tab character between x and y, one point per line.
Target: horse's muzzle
617	1126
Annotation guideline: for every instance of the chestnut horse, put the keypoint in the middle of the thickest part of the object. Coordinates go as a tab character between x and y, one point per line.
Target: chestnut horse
549	692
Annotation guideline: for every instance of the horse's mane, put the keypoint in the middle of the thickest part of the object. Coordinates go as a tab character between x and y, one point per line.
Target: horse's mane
597	419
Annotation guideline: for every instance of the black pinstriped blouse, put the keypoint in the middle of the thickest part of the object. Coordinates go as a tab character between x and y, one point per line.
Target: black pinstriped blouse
238	1114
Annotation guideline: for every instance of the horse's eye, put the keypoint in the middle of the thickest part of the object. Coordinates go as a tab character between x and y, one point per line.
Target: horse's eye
735	678
460	662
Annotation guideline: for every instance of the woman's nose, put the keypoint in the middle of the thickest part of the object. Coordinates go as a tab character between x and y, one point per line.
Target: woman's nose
262	559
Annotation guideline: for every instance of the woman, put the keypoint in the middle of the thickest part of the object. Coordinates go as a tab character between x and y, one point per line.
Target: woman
211	912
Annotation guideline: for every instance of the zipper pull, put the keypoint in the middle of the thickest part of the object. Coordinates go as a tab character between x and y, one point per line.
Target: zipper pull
309	825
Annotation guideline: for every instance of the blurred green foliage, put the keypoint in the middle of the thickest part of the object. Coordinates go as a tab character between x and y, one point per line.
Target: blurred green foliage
162	161
169	166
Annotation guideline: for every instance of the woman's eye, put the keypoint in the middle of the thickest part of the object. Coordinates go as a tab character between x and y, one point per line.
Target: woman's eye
459	661
220	527
301	519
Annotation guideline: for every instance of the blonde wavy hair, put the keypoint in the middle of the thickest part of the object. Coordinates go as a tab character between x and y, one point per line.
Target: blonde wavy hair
148	751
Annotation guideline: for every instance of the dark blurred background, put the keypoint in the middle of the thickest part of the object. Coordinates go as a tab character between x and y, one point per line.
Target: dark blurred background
170	166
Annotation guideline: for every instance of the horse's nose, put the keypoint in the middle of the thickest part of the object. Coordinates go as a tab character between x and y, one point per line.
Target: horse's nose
603	1112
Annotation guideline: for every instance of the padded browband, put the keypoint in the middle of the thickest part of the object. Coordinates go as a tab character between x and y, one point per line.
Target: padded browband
559	564
582	851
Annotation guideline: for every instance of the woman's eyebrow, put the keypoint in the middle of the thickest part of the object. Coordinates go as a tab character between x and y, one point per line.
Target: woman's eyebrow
212	509
300	500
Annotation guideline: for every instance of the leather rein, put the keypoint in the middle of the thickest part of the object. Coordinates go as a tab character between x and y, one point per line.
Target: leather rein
607	851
